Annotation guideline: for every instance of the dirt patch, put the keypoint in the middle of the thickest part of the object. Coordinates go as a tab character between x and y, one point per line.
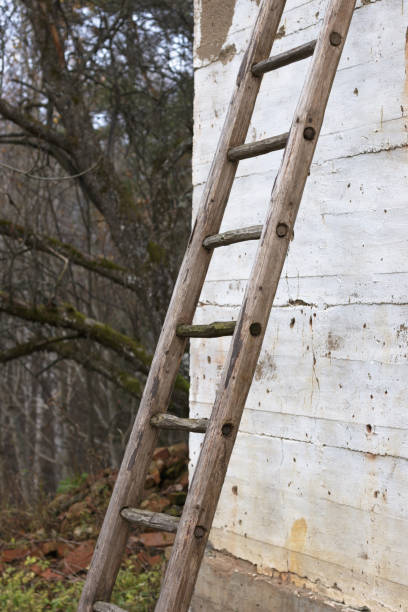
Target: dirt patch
402	334
281	32
334	342
216	20
227	53
266	368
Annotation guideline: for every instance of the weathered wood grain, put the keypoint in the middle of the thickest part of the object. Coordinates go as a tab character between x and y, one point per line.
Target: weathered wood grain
283	59
217	329
101	606
153	520
232	236
242	359
261	147
170	421
130	481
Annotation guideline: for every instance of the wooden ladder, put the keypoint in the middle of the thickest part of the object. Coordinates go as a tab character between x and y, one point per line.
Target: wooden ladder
193	528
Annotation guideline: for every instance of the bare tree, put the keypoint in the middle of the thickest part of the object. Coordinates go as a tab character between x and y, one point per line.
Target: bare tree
95	165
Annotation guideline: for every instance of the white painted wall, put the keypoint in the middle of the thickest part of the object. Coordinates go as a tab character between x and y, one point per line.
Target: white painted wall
321	460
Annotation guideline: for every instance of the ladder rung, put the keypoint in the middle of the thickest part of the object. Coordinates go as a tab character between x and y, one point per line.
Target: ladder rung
152	520
245	233
170	421
101	606
261	147
212	330
285	58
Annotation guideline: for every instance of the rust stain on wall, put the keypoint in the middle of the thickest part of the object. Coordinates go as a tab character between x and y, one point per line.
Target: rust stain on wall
296	543
216	20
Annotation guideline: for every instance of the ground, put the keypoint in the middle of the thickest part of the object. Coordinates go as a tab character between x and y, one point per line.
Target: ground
45	552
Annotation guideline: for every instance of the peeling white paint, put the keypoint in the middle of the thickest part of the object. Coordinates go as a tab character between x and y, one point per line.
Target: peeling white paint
320	469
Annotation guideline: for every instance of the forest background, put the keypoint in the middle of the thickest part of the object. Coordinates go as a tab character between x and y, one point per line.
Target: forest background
95	205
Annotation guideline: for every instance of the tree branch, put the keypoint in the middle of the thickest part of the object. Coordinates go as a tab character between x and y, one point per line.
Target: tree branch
33	346
65	316
51	246
57	179
35	128
66	349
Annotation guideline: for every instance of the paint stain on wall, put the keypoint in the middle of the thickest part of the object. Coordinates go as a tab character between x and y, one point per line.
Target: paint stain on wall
296	544
216	20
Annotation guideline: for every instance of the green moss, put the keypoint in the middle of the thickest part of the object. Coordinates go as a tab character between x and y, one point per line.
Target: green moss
157	253
77	257
131	384
114	339
128	206
109	265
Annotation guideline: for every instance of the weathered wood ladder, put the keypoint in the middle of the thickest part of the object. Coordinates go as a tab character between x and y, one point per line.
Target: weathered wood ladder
221	429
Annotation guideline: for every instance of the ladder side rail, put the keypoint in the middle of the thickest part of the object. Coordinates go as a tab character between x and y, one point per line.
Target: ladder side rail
170	348
237	375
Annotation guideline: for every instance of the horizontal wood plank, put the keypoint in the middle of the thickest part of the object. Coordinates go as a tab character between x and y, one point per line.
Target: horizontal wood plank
101	606
170	421
217	329
283	59
232	236
261	147
152	520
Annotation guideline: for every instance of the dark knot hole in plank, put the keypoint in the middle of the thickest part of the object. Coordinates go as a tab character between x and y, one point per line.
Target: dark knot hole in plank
226	429
199	532
335	39
282	229
255	329
309	133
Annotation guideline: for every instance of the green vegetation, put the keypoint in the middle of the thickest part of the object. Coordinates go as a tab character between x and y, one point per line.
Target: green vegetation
45	552
22	590
71	483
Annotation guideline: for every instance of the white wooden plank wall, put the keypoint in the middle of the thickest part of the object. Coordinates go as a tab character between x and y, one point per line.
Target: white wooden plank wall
318	483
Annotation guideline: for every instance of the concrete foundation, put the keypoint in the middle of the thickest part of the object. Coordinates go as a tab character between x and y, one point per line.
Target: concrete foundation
227	584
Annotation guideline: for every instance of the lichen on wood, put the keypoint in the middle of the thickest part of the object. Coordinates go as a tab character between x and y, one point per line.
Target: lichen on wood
211	330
